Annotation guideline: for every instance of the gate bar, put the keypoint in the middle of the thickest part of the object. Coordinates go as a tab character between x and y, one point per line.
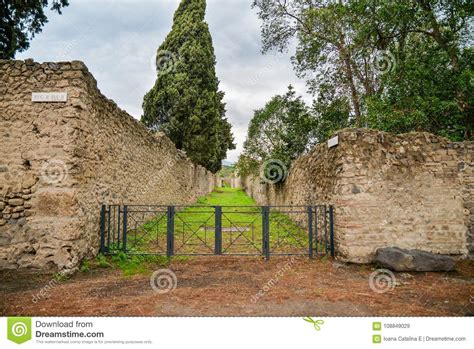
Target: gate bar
331	229
266	232
310	231
108	228
316	229
218	230
124	240
325	222
118	226
102	229
170	232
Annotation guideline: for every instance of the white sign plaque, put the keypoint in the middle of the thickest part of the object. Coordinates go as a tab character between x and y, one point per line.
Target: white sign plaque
49	97
333	142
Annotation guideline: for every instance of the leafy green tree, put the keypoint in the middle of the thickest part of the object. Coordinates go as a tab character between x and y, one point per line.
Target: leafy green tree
326	51
281	131
428	87
185	101
330	114
402	65
247	166
20	20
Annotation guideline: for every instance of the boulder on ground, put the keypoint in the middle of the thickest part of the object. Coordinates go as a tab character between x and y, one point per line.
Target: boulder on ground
398	259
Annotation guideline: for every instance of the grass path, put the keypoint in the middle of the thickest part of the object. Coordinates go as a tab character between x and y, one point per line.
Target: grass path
194	227
227	197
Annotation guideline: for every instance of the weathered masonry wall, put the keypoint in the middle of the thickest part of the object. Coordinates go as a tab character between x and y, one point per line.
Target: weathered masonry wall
60	161
413	191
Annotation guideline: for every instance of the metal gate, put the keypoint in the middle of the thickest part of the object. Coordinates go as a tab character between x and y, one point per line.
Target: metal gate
217	230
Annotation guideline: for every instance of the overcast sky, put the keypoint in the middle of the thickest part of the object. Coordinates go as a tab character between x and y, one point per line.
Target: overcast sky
118	39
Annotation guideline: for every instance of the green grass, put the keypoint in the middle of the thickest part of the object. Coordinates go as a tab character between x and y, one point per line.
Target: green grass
85	266
102	261
59	277
227	197
129	264
138	264
241	227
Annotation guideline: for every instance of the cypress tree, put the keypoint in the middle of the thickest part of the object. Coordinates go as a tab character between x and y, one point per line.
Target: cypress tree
185	101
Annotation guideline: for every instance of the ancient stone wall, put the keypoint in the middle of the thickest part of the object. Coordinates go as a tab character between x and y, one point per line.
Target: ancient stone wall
412	191
232	181
60	161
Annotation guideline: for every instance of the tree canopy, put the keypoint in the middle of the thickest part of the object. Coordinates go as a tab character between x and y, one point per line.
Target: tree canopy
279	132
186	102
20	20
398	65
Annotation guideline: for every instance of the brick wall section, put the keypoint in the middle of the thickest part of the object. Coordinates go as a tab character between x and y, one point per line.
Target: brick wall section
413	191
60	161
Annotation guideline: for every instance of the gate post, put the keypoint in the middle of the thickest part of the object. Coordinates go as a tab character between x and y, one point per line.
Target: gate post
108	228
316	209
325	226
102	229
331	229
170	232
124	242
265	232
118	226
218	230
310	231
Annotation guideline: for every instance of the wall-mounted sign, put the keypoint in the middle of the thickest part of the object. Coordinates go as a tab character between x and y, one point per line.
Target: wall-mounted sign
49	97
333	142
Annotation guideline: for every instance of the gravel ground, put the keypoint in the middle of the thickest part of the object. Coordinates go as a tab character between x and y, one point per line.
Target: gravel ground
243	286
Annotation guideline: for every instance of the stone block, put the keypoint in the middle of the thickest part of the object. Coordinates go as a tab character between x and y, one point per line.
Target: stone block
62	203
398	259
28	182
15	202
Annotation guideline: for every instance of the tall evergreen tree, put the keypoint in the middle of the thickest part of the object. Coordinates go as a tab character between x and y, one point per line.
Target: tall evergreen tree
185	102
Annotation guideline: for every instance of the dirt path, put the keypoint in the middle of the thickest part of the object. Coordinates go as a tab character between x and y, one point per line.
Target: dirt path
227	286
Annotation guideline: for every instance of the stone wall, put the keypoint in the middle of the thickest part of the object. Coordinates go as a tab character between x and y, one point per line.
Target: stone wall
232	181
413	191
60	161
